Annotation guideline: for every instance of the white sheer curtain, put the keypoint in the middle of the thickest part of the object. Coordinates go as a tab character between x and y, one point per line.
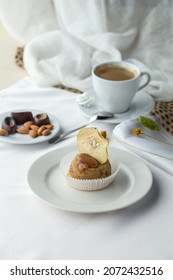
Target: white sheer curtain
25	19
64	38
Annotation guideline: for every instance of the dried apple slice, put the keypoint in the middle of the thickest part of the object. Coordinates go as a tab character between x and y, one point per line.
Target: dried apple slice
91	142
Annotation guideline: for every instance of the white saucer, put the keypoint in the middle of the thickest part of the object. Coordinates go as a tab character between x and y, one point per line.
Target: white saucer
141	104
132	182
24	139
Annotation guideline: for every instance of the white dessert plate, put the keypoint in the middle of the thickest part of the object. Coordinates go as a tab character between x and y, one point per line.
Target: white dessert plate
141	104
132	182
17	138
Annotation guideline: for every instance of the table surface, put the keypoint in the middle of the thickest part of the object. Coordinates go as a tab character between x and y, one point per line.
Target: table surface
31	229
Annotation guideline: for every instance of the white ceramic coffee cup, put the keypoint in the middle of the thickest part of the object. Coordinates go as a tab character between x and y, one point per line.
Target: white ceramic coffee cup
115	95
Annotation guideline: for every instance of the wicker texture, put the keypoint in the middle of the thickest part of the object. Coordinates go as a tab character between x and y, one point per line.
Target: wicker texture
164	112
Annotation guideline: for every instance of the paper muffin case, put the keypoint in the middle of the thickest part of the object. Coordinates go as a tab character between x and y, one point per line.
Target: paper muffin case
93	184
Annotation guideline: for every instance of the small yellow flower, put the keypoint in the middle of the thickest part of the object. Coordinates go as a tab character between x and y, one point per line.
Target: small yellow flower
137	131
152	125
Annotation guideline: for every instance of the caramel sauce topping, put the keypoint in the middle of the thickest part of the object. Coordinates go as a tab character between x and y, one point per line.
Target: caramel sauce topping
85	161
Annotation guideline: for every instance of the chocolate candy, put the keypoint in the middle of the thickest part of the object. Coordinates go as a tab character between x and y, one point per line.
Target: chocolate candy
41	119
9	124
22	117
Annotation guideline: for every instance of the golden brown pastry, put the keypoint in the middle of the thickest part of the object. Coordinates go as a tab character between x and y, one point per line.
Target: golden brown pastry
91	162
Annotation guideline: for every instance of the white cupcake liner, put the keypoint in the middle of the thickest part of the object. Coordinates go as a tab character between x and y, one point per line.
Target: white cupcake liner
93	184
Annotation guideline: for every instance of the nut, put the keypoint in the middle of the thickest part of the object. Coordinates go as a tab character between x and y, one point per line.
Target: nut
3	132
40	130
22	130
33	133
34	127
45	132
49	126
27	124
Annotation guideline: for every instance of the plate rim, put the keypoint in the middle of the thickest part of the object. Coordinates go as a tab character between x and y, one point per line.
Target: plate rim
8	140
77	209
115	120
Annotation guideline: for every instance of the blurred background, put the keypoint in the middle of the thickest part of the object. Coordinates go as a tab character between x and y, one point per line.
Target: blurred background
10	73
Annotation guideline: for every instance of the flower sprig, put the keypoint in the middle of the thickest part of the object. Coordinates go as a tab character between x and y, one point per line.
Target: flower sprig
152	125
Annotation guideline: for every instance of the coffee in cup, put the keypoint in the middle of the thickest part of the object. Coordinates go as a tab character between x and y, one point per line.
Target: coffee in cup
116	83
115	72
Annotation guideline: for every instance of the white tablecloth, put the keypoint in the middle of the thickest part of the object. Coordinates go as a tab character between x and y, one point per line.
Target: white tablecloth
30	229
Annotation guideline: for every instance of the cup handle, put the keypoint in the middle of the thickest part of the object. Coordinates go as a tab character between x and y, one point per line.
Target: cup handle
147	82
